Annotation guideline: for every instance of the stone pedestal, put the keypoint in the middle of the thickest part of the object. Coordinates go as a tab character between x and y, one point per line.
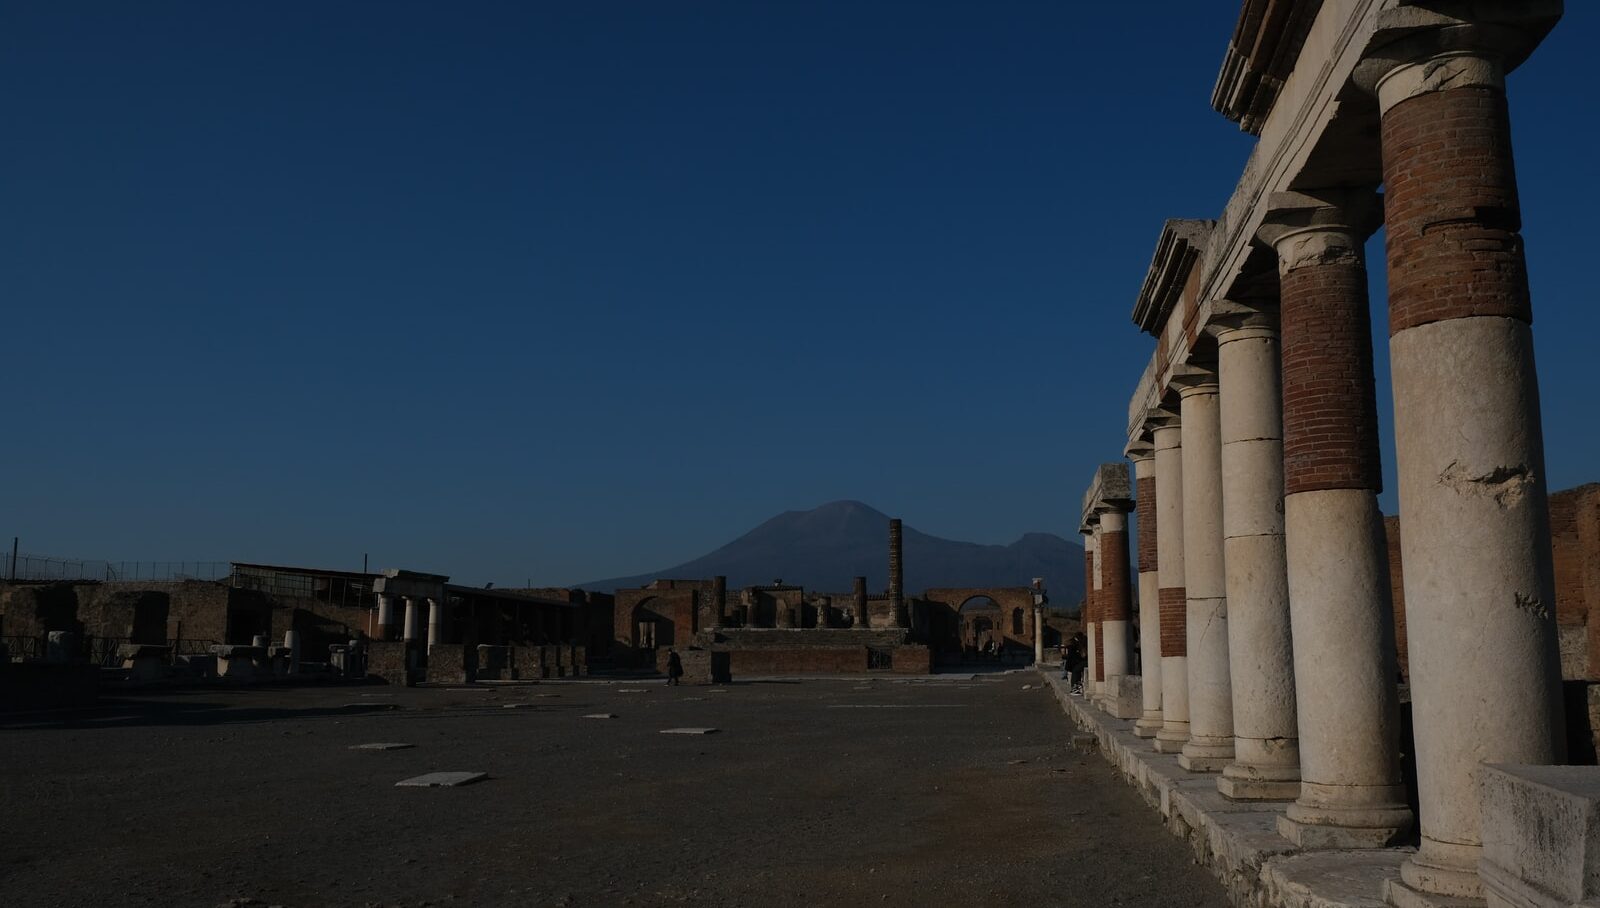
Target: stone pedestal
1210	745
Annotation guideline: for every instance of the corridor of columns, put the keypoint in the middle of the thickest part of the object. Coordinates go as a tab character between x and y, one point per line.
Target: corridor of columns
1268	720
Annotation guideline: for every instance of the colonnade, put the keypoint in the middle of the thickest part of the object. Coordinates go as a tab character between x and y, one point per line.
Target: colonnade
409	627
1265	615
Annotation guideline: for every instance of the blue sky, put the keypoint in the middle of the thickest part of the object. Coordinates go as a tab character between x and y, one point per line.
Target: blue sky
567	290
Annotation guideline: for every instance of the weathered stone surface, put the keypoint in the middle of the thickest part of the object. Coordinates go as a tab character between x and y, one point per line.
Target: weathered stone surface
690	731
442	780
383	745
1541	835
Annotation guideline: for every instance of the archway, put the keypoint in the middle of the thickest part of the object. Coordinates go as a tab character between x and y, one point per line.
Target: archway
978	621
653	625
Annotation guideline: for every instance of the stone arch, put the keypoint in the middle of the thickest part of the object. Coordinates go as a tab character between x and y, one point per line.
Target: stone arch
1013	618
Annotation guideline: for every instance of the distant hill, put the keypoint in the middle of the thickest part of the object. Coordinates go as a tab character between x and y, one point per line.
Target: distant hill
823	549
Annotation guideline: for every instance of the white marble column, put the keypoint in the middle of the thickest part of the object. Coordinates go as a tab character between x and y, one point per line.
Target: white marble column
1144	473
413	625
1266	762
1210	745
1172	600
435	623
384	629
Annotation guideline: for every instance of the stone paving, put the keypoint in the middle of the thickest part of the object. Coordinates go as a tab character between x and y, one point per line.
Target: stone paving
957	793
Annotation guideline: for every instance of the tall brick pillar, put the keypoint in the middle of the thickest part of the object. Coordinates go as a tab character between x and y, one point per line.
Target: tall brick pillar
1479	582
858	601
1090	619
1144	474
1338	573
719	601
1210	745
1171	597
1097	650
1266	763
897	575
1116	594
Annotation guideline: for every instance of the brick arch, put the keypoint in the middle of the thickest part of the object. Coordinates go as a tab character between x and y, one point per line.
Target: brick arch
1011	599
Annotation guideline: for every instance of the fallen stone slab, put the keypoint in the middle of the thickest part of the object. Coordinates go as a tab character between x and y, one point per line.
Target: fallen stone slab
633	690
517	705
689	731
601	716
383	745
442	780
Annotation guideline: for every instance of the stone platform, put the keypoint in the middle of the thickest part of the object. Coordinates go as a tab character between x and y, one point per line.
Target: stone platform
1237	840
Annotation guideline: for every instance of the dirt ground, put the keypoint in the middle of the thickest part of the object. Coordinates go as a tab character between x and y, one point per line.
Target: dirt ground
849	793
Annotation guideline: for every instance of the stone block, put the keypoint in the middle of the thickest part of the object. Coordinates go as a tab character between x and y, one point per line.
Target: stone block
1124	696
1541	835
388	659
696	666
442	780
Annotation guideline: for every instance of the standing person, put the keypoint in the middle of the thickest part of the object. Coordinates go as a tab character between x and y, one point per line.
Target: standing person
1076	662
674	667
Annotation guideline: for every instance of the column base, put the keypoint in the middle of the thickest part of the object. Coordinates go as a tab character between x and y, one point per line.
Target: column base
1170	739
1257	789
1426	875
1206	755
1249	782
1321	826
1149	725
1398	895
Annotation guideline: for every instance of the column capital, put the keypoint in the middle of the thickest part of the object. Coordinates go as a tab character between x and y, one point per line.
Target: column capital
1417	48
1233	320
1320	227
1140	450
1194	380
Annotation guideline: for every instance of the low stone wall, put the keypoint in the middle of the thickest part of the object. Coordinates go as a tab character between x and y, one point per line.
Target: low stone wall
1237	840
797	660
387	659
452	663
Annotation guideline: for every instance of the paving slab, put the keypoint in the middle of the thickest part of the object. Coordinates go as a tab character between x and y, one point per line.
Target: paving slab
601	716
690	731
442	780
382	745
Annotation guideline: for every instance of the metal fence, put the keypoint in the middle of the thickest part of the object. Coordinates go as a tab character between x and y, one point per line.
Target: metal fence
45	567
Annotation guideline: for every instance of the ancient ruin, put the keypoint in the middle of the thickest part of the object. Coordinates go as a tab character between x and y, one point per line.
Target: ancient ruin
1303	637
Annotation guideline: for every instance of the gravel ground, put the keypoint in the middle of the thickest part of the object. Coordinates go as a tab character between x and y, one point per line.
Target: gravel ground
851	793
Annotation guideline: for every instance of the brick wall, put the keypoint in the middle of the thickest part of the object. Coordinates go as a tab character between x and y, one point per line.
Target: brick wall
1174	621
1116	588
1146	516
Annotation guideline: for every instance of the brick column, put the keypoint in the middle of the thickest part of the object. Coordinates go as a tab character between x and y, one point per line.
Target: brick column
1266	762
897	576
1144	474
1116	594
1210	744
858	601
1091	628
719	601
1171	598
1350	791
1479	584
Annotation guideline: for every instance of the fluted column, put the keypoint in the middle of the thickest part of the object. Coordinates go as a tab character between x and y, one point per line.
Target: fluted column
1479	583
1144	474
1266	762
1171	597
1338	569
1210	744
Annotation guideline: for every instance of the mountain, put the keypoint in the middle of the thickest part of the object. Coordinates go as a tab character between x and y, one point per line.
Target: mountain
823	549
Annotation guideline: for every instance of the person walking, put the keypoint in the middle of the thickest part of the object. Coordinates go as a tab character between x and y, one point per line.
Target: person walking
674	668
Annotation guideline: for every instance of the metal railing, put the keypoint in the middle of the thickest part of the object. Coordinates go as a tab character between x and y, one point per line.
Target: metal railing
45	567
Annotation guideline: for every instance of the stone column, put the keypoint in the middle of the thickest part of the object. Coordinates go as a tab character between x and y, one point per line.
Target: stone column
897	575
291	642
1171	597
385	627
413	625
435	623
1266	762
1038	635
1144	475
1338	568
1116	592
1210	745
1479	582
858	601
